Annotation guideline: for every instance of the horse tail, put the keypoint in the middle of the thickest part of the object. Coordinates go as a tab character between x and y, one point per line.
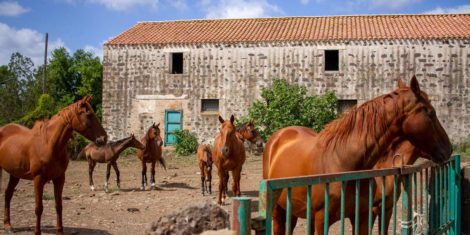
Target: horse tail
81	154
162	162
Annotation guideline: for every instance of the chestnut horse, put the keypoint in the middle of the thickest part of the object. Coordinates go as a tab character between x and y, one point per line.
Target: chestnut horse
229	155
355	141
107	154
204	156
403	153
248	132
40	154
151	154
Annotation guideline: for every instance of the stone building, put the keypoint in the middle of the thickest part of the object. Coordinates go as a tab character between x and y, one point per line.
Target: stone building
184	73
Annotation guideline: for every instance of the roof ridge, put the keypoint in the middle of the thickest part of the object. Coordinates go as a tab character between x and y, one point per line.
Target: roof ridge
301	17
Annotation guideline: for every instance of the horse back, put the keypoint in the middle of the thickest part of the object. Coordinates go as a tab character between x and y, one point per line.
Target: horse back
290	152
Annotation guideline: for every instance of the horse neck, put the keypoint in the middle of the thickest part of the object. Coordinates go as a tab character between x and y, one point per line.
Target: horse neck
240	136
119	147
57	133
367	140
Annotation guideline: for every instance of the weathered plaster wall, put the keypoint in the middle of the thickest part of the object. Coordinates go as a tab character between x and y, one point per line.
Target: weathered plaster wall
236	73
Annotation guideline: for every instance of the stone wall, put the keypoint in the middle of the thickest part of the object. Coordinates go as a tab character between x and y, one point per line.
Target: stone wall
138	86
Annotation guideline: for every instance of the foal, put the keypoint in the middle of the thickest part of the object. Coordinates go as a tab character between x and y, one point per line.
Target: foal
248	132
151	154
204	156
107	154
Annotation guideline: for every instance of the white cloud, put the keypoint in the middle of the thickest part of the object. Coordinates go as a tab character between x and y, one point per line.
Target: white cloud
11	9
26	41
179	4
242	9
95	50
392	5
304	2
122	5
457	9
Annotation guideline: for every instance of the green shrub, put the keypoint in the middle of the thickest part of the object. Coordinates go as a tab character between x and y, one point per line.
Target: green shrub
186	142
463	148
45	108
129	151
285	105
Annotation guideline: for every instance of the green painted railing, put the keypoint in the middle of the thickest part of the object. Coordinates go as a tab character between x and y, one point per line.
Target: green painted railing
430	205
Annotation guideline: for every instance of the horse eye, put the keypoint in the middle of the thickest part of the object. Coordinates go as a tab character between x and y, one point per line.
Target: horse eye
432	113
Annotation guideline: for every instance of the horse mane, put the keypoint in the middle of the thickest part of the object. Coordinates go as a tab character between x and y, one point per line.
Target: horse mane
241	127
366	120
113	143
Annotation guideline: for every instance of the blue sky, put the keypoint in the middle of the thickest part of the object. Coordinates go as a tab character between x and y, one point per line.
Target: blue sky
87	24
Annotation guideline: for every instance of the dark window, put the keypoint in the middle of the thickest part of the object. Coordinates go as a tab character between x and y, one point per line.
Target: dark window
209	105
345	105
331	60
177	63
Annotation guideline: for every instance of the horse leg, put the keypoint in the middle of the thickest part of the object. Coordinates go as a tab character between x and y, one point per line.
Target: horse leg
144	175
91	167
58	187
38	191
279	221
319	219
8	195
152	176
118	180
209	182
108	173
236	182
227	176
221	199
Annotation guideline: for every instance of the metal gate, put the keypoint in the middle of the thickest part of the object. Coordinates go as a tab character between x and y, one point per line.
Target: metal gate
430	199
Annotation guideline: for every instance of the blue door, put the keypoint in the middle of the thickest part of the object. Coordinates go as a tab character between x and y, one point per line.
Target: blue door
173	122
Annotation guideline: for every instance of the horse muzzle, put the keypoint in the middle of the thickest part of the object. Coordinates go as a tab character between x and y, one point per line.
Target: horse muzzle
224	150
101	140
259	144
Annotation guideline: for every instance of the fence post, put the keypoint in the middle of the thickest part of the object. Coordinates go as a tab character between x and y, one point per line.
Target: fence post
407	213
241	215
458	194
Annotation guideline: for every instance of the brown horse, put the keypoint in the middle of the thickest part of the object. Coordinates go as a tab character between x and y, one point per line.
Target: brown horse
403	153
107	154
248	132
229	155
40	154
204	156
151	154
355	141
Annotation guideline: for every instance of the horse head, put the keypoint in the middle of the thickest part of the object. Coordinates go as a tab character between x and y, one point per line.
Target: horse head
420	124
154	134
227	134
135	143
253	135
82	119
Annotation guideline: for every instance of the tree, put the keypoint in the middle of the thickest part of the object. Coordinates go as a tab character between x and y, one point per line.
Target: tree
285	105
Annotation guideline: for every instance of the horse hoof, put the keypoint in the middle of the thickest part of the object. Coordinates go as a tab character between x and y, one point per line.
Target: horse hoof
106	190
92	188
142	188
8	230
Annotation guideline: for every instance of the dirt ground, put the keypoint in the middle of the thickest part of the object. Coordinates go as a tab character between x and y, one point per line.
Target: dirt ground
130	210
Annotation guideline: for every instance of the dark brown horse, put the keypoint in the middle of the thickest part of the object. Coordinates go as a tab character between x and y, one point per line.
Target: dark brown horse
152	153
40	154
248	132
355	141
204	157
108	153
229	155
403	153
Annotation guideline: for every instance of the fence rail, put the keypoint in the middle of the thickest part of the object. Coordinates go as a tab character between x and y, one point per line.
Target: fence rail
430	197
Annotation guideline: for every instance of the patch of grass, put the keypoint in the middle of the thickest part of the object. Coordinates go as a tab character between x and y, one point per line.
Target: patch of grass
47	197
128	151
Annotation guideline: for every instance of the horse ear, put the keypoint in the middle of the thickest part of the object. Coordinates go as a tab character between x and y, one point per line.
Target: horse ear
221	120
415	85
157	125
232	119
153	125
401	84
250	123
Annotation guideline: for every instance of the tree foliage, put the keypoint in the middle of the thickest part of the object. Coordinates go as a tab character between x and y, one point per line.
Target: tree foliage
285	105
186	142
46	108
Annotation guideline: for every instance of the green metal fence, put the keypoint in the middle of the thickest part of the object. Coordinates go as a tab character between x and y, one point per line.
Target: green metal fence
430	198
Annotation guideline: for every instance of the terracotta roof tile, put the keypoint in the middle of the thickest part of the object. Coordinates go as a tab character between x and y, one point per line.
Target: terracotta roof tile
370	27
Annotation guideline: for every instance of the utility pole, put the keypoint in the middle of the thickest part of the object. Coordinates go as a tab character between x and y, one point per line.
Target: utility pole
45	66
